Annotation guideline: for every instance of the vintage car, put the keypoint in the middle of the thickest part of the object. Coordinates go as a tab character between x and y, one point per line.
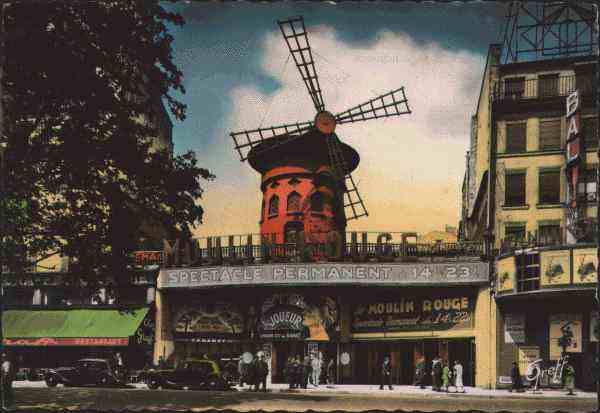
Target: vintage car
190	374
98	372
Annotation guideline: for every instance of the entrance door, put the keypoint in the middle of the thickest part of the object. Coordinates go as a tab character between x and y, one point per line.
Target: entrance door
283	351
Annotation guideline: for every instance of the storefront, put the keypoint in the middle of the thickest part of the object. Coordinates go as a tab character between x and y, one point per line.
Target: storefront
54	338
353	314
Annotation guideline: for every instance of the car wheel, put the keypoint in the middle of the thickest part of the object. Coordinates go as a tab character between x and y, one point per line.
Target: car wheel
51	381
213	383
104	380
153	383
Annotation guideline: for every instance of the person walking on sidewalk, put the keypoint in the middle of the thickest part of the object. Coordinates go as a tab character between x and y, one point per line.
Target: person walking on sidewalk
386	374
436	373
331	371
458	377
305	371
8	375
420	373
316	370
446	374
515	377
569	373
262	371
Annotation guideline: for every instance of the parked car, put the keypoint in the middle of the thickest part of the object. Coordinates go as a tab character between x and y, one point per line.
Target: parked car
99	372
191	374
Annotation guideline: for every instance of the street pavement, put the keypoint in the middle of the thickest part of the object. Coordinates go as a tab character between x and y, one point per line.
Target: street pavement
33	396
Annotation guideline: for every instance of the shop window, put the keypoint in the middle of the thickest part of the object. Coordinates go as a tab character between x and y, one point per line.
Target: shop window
586	191
293	202
589	129
514	88
528	271
550	134
316	202
516	137
549	187
515	232
549	234
515	189
548	85
274	206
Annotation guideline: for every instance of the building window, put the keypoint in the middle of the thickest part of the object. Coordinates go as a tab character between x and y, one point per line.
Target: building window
548	85
515	189
528	271
589	128
291	231
549	134
274	206
514	232
293	202
586	191
514	87
549	188
316	202
549	234
516	137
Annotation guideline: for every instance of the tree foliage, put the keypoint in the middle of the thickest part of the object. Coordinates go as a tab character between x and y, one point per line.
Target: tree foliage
83	87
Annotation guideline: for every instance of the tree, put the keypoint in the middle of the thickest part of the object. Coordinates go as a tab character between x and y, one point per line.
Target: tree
83	84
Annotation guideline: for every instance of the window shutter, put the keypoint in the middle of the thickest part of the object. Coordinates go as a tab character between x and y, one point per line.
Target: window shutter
549	187
550	134
515	189
590	132
516	137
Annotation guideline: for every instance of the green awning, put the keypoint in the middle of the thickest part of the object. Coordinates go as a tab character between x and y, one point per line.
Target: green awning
76	323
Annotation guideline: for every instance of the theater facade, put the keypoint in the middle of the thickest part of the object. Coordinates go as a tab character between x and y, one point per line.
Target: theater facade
373	300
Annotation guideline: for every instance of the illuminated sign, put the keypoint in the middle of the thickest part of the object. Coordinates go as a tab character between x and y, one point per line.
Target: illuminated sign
573	150
329	273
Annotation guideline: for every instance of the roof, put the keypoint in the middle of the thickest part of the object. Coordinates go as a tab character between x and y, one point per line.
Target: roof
75	323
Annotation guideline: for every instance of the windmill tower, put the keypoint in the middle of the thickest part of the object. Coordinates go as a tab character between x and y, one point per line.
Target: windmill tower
306	170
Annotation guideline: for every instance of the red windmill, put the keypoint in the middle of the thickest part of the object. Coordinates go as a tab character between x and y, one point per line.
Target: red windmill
306	170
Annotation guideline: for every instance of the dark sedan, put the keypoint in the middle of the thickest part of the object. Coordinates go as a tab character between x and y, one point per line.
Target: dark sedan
191	374
97	372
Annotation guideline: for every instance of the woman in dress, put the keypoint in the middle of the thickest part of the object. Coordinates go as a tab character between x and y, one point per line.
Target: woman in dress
458	377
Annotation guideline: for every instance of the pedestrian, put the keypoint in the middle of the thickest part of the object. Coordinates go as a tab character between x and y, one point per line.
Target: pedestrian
458	377
446	374
436	372
420	373
569	374
306	366
515	377
386	374
242	371
296	372
287	371
262	371
331	372
8	375
316	370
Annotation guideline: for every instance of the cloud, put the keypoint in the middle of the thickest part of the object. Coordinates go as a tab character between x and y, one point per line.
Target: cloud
411	166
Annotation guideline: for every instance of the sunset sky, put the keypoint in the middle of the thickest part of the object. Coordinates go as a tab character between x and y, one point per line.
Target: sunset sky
236	76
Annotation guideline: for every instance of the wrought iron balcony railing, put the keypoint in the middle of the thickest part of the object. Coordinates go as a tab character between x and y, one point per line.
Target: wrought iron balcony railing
525	89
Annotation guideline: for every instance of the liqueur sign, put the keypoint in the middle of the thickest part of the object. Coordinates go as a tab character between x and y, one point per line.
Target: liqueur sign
414	314
332	273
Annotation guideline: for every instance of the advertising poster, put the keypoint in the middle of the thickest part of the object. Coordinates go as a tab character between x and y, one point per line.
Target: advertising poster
594	327
414	314
506	270
565	332
527	355
585	265
297	317
555	267
514	328
218	320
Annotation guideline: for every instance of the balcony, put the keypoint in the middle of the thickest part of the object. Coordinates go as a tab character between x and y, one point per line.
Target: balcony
519	89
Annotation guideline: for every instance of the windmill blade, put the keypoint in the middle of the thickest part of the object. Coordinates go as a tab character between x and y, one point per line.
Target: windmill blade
393	103
294	33
354	206
246	140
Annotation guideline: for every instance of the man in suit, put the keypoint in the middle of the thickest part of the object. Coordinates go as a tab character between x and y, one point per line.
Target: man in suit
262	371
386	374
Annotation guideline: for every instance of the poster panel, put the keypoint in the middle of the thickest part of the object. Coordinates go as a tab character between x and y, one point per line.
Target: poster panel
585	265
527	355
215	320
514	328
594	327
297	317
565	332
506	270
555	267
414	314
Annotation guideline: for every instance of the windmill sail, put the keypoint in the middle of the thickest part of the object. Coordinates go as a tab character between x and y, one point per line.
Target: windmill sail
393	103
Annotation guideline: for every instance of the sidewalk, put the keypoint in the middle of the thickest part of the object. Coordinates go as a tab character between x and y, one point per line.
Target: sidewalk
416	391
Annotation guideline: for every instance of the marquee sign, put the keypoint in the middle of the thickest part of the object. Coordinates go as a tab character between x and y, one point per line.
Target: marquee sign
573	151
414	314
322	274
47	341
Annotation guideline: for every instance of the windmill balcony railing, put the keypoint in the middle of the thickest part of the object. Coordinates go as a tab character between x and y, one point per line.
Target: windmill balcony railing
510	90
209	251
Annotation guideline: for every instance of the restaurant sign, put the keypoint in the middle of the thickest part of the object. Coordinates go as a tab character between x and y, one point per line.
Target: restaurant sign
330	273
84	341
414	314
